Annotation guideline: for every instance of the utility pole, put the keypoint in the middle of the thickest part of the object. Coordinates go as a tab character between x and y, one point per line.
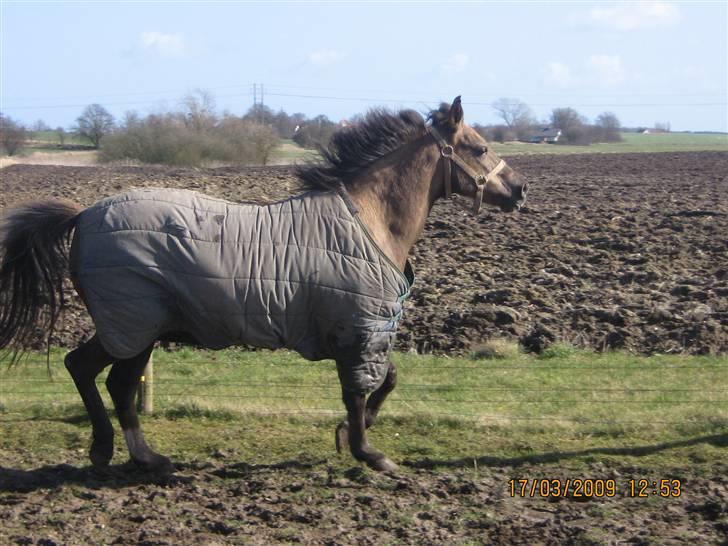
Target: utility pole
255	94
262	105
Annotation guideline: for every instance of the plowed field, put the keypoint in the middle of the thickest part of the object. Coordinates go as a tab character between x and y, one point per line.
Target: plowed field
613	251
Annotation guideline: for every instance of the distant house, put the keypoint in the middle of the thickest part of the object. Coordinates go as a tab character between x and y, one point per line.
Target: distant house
546	135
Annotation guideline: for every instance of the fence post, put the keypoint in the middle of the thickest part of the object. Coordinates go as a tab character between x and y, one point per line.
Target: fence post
145	392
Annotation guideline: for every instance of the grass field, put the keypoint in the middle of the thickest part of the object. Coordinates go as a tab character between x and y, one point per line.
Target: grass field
260	403
631	143
49	139
289	152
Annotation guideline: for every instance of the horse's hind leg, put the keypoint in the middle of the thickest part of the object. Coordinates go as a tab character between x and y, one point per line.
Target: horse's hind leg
122	384
84	364
374	404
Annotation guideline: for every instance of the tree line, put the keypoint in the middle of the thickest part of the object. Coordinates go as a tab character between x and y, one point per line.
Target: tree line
196	133
520	123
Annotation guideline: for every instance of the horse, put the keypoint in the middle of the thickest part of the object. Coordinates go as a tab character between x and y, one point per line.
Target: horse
324	273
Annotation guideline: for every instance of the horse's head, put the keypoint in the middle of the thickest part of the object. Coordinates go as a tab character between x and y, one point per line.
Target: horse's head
470	167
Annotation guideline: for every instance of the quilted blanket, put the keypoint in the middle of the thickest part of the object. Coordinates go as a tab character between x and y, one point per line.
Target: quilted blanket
303	273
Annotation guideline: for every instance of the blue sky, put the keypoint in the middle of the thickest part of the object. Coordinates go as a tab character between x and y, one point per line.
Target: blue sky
645	61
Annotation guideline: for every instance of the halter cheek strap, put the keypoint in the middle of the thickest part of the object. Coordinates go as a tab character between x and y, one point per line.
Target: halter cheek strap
480	180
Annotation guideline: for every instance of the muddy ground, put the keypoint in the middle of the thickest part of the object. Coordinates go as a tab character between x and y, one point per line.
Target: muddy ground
228	502
612	251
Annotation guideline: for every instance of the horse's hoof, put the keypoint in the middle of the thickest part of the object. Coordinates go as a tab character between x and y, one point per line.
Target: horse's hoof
157	464
342	436
382	464
101	454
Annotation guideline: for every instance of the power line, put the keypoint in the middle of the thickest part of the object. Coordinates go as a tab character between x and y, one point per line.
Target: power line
369	99
128	103
722	93
336	90
134	93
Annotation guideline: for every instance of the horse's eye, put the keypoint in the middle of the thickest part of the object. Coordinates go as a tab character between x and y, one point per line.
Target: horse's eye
483	150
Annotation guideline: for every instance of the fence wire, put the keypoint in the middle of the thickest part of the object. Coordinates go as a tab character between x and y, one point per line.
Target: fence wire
539	391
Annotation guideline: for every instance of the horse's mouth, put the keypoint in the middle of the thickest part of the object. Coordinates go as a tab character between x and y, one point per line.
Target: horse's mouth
512	203
511	206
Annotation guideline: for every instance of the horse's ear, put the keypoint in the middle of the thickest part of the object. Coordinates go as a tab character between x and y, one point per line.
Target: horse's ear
456	113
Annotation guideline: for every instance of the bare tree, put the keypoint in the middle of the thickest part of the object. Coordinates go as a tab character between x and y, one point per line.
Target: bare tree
315	132
94	123
61	134
572	125
12	135
40	126
265	139
514	113
607	127
260	113
200	110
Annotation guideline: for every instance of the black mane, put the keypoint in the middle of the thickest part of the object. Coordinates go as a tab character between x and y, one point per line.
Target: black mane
354	148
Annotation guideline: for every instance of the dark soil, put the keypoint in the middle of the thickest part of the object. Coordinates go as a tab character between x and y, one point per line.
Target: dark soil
224	502
620	251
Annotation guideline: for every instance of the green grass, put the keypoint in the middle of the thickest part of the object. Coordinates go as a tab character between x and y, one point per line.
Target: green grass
289	152
49	139
631	143
275	404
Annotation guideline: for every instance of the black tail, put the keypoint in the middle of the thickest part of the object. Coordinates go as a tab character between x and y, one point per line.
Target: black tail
33	263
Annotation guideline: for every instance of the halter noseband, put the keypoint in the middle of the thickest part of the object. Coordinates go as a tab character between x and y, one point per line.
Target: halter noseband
480	180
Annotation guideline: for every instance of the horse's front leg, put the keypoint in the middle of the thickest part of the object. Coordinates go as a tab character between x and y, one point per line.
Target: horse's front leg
373	405
356	427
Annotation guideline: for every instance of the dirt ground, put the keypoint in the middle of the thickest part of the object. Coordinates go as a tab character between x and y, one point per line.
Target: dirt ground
612	251
227	502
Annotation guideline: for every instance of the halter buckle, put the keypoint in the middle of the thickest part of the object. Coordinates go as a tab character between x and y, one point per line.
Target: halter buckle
447	151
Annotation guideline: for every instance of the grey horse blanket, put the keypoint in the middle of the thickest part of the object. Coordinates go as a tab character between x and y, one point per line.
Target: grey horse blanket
303	273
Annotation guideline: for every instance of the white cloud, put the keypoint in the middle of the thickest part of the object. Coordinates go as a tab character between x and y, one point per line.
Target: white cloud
602	70
456	63
325	57
559	74
633	16
607	70
167	44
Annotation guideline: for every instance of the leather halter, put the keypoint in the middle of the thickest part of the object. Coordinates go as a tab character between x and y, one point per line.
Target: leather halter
480	180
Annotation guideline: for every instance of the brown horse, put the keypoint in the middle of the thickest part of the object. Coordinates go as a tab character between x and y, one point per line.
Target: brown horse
324	273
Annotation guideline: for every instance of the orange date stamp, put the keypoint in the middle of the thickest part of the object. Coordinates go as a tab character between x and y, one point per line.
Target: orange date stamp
594	488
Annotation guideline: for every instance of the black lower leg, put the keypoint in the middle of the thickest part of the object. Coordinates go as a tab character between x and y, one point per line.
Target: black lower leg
377	398
360	448
84	364
122	384
373	405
